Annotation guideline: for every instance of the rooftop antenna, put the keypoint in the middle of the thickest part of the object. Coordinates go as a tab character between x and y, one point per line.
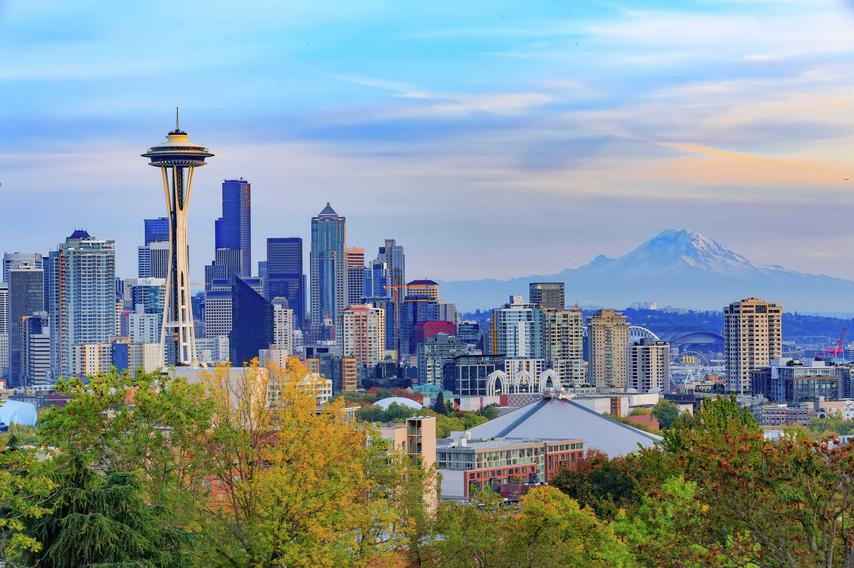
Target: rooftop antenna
177	127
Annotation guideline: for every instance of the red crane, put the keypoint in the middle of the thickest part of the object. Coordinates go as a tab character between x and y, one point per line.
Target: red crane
839	350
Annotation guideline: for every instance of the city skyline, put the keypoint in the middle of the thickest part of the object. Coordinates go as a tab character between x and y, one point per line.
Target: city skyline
586	129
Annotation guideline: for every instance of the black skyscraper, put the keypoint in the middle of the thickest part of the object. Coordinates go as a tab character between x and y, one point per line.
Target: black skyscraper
251	322
285	277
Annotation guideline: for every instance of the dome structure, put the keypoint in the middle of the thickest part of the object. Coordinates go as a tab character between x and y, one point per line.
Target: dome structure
17	412
401	400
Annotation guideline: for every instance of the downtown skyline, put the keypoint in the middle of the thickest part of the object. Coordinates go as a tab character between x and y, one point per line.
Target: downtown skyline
583	130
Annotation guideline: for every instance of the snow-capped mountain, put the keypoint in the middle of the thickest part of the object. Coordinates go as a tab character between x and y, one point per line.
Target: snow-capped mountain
678	268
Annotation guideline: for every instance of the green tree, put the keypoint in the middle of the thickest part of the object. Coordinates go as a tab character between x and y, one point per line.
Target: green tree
670	529
665	412
99	520
24	484
148	424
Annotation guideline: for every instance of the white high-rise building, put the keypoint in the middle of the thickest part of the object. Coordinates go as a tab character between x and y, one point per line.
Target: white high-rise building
283	326
753	335
649	366
517	330
4	329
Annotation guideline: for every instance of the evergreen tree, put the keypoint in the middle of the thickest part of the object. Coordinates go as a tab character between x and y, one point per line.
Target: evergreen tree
103	520
439	405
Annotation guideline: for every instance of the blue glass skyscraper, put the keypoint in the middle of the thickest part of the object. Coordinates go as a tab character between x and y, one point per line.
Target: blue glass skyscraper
234	229
328	266
156	230
285	277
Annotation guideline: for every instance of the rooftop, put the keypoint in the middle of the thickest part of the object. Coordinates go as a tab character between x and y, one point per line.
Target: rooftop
559	418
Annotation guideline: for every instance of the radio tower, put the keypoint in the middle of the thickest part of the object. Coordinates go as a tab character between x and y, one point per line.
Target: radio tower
177	159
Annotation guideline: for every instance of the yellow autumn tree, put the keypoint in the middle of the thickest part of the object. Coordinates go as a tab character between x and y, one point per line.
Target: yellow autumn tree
294	485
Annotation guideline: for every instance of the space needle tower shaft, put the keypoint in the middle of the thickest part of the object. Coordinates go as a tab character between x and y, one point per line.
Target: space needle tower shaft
177	159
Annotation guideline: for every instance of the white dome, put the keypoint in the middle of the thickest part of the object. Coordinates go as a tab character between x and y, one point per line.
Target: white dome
16	412
403	401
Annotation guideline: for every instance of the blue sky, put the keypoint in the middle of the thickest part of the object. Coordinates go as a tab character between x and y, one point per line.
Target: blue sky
492	139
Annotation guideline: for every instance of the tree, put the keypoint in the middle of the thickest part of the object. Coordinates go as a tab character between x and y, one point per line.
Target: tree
147	424
548	529
665	412
793	497
553	530
439	404
24	483
670	529
605	485
97	519
292	486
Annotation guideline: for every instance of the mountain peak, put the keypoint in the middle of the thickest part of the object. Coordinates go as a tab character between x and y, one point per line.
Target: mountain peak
675	248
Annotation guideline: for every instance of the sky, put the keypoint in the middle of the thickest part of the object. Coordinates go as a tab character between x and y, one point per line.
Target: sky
491	139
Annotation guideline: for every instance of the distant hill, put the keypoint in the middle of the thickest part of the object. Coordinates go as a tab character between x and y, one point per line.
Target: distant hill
676	268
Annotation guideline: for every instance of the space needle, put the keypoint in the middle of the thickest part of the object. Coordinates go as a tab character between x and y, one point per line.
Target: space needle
177	159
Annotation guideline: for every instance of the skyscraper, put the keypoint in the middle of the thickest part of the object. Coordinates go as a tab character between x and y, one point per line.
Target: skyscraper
564	338
82	297
517	330
355	275
649	366
4	329
15	259
394	260
234	228
753	335
251	321
364	335
283	326
547	295
153	255
156	230
285	277
608	338
177	159
35	356
26	297
328	266
153	260
424	287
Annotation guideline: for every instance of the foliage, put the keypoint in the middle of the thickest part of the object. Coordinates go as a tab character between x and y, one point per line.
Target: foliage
668	530
292	485
394	413
489	412
98	519
832	425
666	413
445	423
549	529
792	497
24	483
147	424
605	485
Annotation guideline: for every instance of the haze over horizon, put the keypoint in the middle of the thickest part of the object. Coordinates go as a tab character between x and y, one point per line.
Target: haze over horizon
525	139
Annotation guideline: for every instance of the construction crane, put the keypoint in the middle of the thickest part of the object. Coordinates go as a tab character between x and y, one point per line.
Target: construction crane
838	351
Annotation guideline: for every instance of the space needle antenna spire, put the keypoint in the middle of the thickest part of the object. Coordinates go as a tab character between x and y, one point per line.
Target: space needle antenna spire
177	158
